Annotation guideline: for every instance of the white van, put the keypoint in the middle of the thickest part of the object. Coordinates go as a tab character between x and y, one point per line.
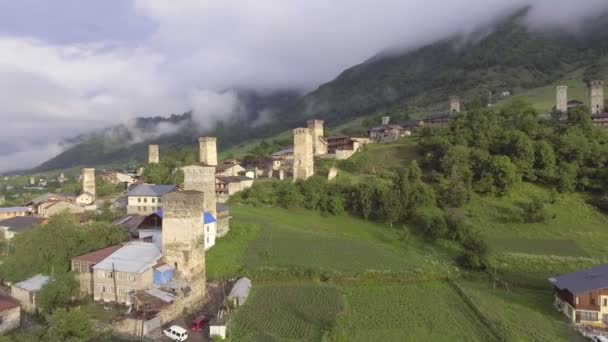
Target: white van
176	333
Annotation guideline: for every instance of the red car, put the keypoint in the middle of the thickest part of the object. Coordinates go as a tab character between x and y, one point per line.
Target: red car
199	323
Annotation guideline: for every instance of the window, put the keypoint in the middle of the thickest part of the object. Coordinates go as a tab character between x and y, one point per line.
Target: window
605	301
101	274
121	276
207	240
102	288
132	278
145	200
110	275
588	316
160	200
138	199
207	229
1	320
153	200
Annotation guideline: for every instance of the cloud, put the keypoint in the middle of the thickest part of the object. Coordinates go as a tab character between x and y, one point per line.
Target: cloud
69	68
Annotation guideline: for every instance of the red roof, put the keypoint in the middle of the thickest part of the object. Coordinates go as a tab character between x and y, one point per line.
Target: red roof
98	255
7	302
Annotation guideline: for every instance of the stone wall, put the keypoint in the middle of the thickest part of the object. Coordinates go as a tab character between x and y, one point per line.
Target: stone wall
183	238
561	98
316	129
202	179
88	181
596	97
208	150
10	319
303	165
153	154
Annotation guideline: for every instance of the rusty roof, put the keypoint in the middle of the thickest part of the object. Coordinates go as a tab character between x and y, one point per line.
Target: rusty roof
7	302
98	255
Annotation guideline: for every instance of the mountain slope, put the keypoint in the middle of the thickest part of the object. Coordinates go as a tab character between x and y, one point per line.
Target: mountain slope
509	56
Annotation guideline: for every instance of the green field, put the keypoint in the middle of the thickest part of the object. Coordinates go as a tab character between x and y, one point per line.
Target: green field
427	311
303	312
519	315
297	238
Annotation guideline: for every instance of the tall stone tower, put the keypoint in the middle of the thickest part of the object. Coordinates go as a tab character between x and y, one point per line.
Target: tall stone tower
386	120
153	154
596	97
202	179
208	150
454	104
303	157
88	181
316	129
561	98
183	239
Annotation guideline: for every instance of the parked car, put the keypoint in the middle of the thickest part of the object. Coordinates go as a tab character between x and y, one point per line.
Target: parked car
176	333
200	323
599	339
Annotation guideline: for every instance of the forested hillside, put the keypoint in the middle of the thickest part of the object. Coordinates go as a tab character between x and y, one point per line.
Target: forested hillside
510	57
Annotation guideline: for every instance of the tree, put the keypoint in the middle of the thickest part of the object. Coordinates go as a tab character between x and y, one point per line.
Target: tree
432	223
58	292
365	199
475	252
73	325
391	207
545	162
504	174
567	176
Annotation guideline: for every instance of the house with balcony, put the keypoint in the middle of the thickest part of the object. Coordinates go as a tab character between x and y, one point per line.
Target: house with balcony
583	296
146	199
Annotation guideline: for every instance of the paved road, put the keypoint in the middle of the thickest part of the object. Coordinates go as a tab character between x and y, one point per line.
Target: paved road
192	336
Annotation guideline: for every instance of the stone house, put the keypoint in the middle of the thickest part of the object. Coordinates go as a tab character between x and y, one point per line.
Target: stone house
386	133
6	213
10	314
85	198
229	169
26	292
227	186
285	156
51	208
82	266
147	198
19	224
583	296
128	269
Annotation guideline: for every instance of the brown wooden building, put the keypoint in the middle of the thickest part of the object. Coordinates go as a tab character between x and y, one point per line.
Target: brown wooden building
583	296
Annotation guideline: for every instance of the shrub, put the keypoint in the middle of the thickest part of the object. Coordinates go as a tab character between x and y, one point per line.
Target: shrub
431	223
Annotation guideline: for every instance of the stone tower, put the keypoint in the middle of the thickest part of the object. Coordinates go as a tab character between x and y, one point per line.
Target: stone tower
153	154
316	129
454	104
596	97
208	150
183	239
303	157
561	98
202	179
386	120
88	181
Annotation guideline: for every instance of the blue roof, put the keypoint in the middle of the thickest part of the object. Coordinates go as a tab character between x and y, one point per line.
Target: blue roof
151	190
583	281
207	217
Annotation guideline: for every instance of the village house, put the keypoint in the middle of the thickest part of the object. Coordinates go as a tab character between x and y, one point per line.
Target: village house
117	178
227	186
386	133
147	198
285	156
82	266
583	296
26	292
85	198
52	208
128	269
229	168
10	314
19	224
37	202
6	213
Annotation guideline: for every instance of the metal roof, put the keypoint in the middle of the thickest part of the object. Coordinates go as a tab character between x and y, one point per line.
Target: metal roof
33	284
288	150
136	257
583	281
13	209
21	224
162	295
151	190
7	303
241	288
98	255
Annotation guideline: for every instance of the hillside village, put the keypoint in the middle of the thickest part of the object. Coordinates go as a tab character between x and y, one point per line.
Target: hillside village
157	274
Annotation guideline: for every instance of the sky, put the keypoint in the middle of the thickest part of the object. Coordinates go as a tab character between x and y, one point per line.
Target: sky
70	67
